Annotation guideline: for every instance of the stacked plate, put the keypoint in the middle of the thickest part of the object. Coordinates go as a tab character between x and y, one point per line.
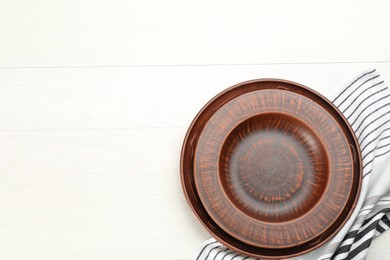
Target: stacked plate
271	168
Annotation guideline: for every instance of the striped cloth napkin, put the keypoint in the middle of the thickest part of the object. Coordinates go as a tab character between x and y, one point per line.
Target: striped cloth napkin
366	104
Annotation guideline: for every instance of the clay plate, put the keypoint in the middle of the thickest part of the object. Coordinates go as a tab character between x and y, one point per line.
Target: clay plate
271	168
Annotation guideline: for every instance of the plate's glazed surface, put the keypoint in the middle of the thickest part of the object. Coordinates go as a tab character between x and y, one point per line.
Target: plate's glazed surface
271	168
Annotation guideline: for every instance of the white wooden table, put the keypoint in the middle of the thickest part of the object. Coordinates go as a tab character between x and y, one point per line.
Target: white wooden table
96	97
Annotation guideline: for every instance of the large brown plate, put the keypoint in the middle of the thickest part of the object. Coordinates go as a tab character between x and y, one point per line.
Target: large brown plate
271	168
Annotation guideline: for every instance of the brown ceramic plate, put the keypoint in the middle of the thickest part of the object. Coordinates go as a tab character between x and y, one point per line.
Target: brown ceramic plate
271	168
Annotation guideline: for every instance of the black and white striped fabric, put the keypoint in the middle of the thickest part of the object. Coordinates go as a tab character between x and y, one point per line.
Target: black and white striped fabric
366	104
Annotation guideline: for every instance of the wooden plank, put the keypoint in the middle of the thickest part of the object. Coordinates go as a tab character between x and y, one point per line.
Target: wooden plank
111	98
136	33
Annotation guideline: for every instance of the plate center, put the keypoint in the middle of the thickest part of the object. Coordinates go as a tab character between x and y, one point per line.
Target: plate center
269	165
273	167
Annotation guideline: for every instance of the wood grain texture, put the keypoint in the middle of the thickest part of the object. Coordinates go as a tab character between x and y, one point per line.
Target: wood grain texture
76	194
101	98
150	32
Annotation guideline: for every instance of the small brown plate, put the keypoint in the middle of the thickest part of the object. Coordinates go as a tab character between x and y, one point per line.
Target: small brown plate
271	168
